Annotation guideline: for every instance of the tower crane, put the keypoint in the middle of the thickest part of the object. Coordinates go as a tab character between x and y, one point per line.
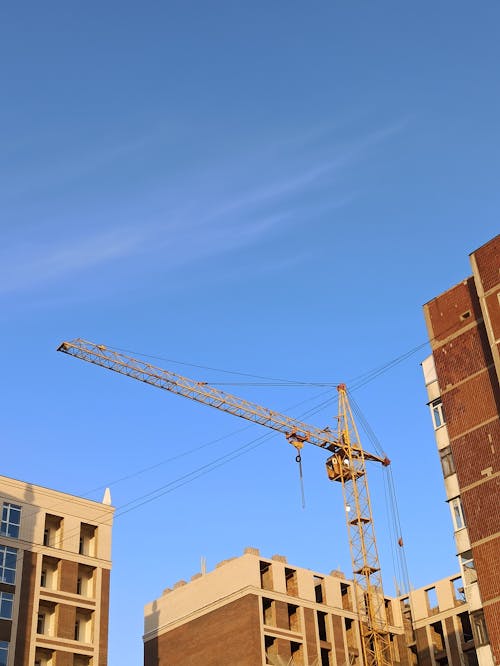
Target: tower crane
346	464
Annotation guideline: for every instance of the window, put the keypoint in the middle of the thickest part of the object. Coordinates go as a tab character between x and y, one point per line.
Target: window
466	627
269	611
40	623
49	574
45	620
326	657
432	600
11	520
4	653
437	636
87	540
437	413
318	589
350	633
457	513
8	557
479	629
293	618
291	582
345	591
468	567
458	590
52	534
322	626
447	462
83	625
297	652
266	575
85	581
6	604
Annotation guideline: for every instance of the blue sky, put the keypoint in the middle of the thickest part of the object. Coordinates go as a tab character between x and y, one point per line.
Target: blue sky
264	187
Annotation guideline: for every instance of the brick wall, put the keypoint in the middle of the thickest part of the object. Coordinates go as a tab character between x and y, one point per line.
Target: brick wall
229	635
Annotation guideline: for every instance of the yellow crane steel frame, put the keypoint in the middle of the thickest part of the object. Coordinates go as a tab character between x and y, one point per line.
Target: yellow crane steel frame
347	465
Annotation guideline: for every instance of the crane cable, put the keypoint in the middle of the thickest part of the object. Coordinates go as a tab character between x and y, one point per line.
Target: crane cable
395	528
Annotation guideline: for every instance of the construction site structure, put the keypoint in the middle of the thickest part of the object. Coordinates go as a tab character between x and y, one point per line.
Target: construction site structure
252	610
346	465
462	377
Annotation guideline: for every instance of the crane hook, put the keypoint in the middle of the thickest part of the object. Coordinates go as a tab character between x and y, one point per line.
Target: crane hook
298	459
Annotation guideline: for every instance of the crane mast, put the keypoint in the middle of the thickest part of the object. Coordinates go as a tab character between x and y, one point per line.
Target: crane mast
346	465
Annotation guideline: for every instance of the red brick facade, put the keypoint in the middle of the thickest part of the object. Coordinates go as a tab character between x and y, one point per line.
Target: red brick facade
464	328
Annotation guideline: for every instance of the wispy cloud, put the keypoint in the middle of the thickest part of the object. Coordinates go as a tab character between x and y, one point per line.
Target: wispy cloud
29	265
231	209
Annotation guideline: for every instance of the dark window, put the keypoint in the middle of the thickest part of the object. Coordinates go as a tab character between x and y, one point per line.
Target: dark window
322	626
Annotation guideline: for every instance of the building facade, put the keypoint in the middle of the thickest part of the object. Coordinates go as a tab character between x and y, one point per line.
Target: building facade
253	611
54	577
463	383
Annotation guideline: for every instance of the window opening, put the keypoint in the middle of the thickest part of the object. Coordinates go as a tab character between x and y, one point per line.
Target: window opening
437	636
293	618
437	413
6	605
432	600
87	539
8	559
271	648
388	611
447	462
291	582
322	627
52	534
319	589
326	657
269	611
458	590
350	633
50	568
466	627
297	653
479	629
457	513
85	580
4	653
11	520
468	567
266	575
40	623
345	591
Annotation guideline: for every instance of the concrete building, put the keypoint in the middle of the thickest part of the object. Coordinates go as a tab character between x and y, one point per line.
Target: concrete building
253	611
462	378
54	577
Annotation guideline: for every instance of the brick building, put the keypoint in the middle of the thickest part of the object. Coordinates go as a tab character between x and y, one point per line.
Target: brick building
252	611
54	577
463	383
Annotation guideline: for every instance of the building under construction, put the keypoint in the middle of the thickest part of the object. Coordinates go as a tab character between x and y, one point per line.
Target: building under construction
462	378
253	611
55	561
